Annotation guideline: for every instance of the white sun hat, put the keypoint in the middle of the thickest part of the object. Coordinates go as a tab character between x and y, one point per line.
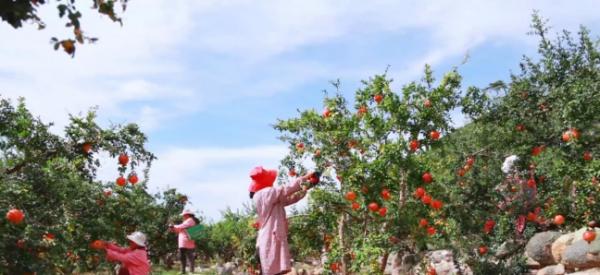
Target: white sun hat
187	212
137	237
509	163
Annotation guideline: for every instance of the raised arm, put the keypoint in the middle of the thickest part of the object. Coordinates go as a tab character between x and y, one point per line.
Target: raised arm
281	193
184	225
294	198
128	258
114	247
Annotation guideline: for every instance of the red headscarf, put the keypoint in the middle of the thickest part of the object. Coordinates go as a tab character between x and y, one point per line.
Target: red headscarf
261	178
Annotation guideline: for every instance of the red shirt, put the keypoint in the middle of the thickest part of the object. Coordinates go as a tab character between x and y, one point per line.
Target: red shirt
134	260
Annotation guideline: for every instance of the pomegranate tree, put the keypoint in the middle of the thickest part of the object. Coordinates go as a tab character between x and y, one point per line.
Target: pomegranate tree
374	147
447	187
57	212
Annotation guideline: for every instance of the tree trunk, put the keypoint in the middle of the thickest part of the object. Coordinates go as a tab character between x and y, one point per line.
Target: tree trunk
341	225
365	225
403	190
384	261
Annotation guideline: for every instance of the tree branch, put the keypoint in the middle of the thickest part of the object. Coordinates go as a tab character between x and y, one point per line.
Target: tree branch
516	249
22	164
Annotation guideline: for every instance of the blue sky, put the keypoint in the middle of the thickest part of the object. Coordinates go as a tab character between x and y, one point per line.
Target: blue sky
206	79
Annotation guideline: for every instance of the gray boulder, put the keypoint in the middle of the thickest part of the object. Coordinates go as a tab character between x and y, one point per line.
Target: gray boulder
558	269
559	246
539	248
576	256
593	271
595	245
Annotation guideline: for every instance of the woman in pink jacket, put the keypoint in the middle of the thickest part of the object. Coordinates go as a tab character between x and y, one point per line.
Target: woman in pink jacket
186	244
272	243
133	259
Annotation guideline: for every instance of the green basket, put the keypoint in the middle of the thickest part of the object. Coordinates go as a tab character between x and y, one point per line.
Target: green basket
197	232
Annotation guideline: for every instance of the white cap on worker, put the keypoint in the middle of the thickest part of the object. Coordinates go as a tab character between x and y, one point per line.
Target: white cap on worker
137	237
187	212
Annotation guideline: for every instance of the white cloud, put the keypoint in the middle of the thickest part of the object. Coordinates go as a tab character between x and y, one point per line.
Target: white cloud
251	30
213	178
255	30
130	64
257	34
125	67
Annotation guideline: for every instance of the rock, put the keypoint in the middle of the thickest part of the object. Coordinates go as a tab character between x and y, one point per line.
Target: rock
558	269
409	260
445	268
539	248
560	244
531	263
404	265
226	269
229	268
317	271
466	270
576	256
440	255
442	261
324	258
396	261
449	256
506	248
392	257
579	233
595	245
395	264
399	271
593	271
593	259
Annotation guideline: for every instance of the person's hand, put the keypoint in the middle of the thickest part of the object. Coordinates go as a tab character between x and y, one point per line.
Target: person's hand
106	244
311	174
307	176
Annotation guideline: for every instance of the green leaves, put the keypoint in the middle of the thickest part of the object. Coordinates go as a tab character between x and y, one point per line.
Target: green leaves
52	179
62	10
368	147
559	92
17	12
